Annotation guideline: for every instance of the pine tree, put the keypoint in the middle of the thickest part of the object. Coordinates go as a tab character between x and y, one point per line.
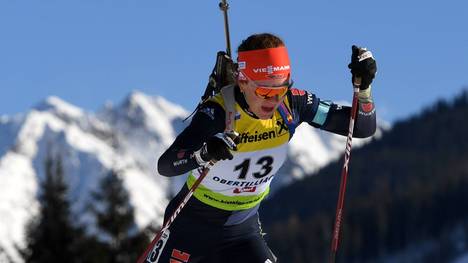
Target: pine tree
115	219
51	237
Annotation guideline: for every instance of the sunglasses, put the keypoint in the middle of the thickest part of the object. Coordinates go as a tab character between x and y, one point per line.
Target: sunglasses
267	92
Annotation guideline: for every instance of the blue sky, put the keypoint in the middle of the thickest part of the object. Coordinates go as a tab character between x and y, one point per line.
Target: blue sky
92	51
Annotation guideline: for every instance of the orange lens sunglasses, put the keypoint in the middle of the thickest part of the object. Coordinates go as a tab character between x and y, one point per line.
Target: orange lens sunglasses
267	92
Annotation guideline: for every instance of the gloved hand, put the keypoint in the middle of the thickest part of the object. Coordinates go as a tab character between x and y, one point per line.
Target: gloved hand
362	65
218	147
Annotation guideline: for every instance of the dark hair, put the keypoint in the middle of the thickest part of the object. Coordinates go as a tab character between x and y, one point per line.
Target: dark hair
260	41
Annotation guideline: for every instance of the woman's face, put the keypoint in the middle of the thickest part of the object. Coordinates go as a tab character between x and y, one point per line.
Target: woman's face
263	108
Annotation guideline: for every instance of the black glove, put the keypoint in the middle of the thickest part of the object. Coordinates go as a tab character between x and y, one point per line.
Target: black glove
362	65
219	147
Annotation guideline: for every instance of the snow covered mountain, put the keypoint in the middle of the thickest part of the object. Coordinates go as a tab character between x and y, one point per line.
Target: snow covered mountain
128	137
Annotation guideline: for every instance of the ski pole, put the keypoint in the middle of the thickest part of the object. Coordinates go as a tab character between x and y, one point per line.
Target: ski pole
153	251
224	6
344	172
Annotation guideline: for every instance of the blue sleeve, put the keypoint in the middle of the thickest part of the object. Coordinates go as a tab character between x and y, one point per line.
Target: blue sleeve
326	115
304	106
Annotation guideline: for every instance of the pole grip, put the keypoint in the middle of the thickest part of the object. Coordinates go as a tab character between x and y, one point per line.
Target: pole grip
357	81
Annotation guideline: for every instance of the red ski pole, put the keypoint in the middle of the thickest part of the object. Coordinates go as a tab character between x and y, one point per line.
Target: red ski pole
153	251
344	172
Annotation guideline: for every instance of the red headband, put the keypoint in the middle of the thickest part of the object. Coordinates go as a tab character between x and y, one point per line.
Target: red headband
265	64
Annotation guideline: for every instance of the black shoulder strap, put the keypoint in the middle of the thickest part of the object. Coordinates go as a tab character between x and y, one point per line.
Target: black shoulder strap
229	106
